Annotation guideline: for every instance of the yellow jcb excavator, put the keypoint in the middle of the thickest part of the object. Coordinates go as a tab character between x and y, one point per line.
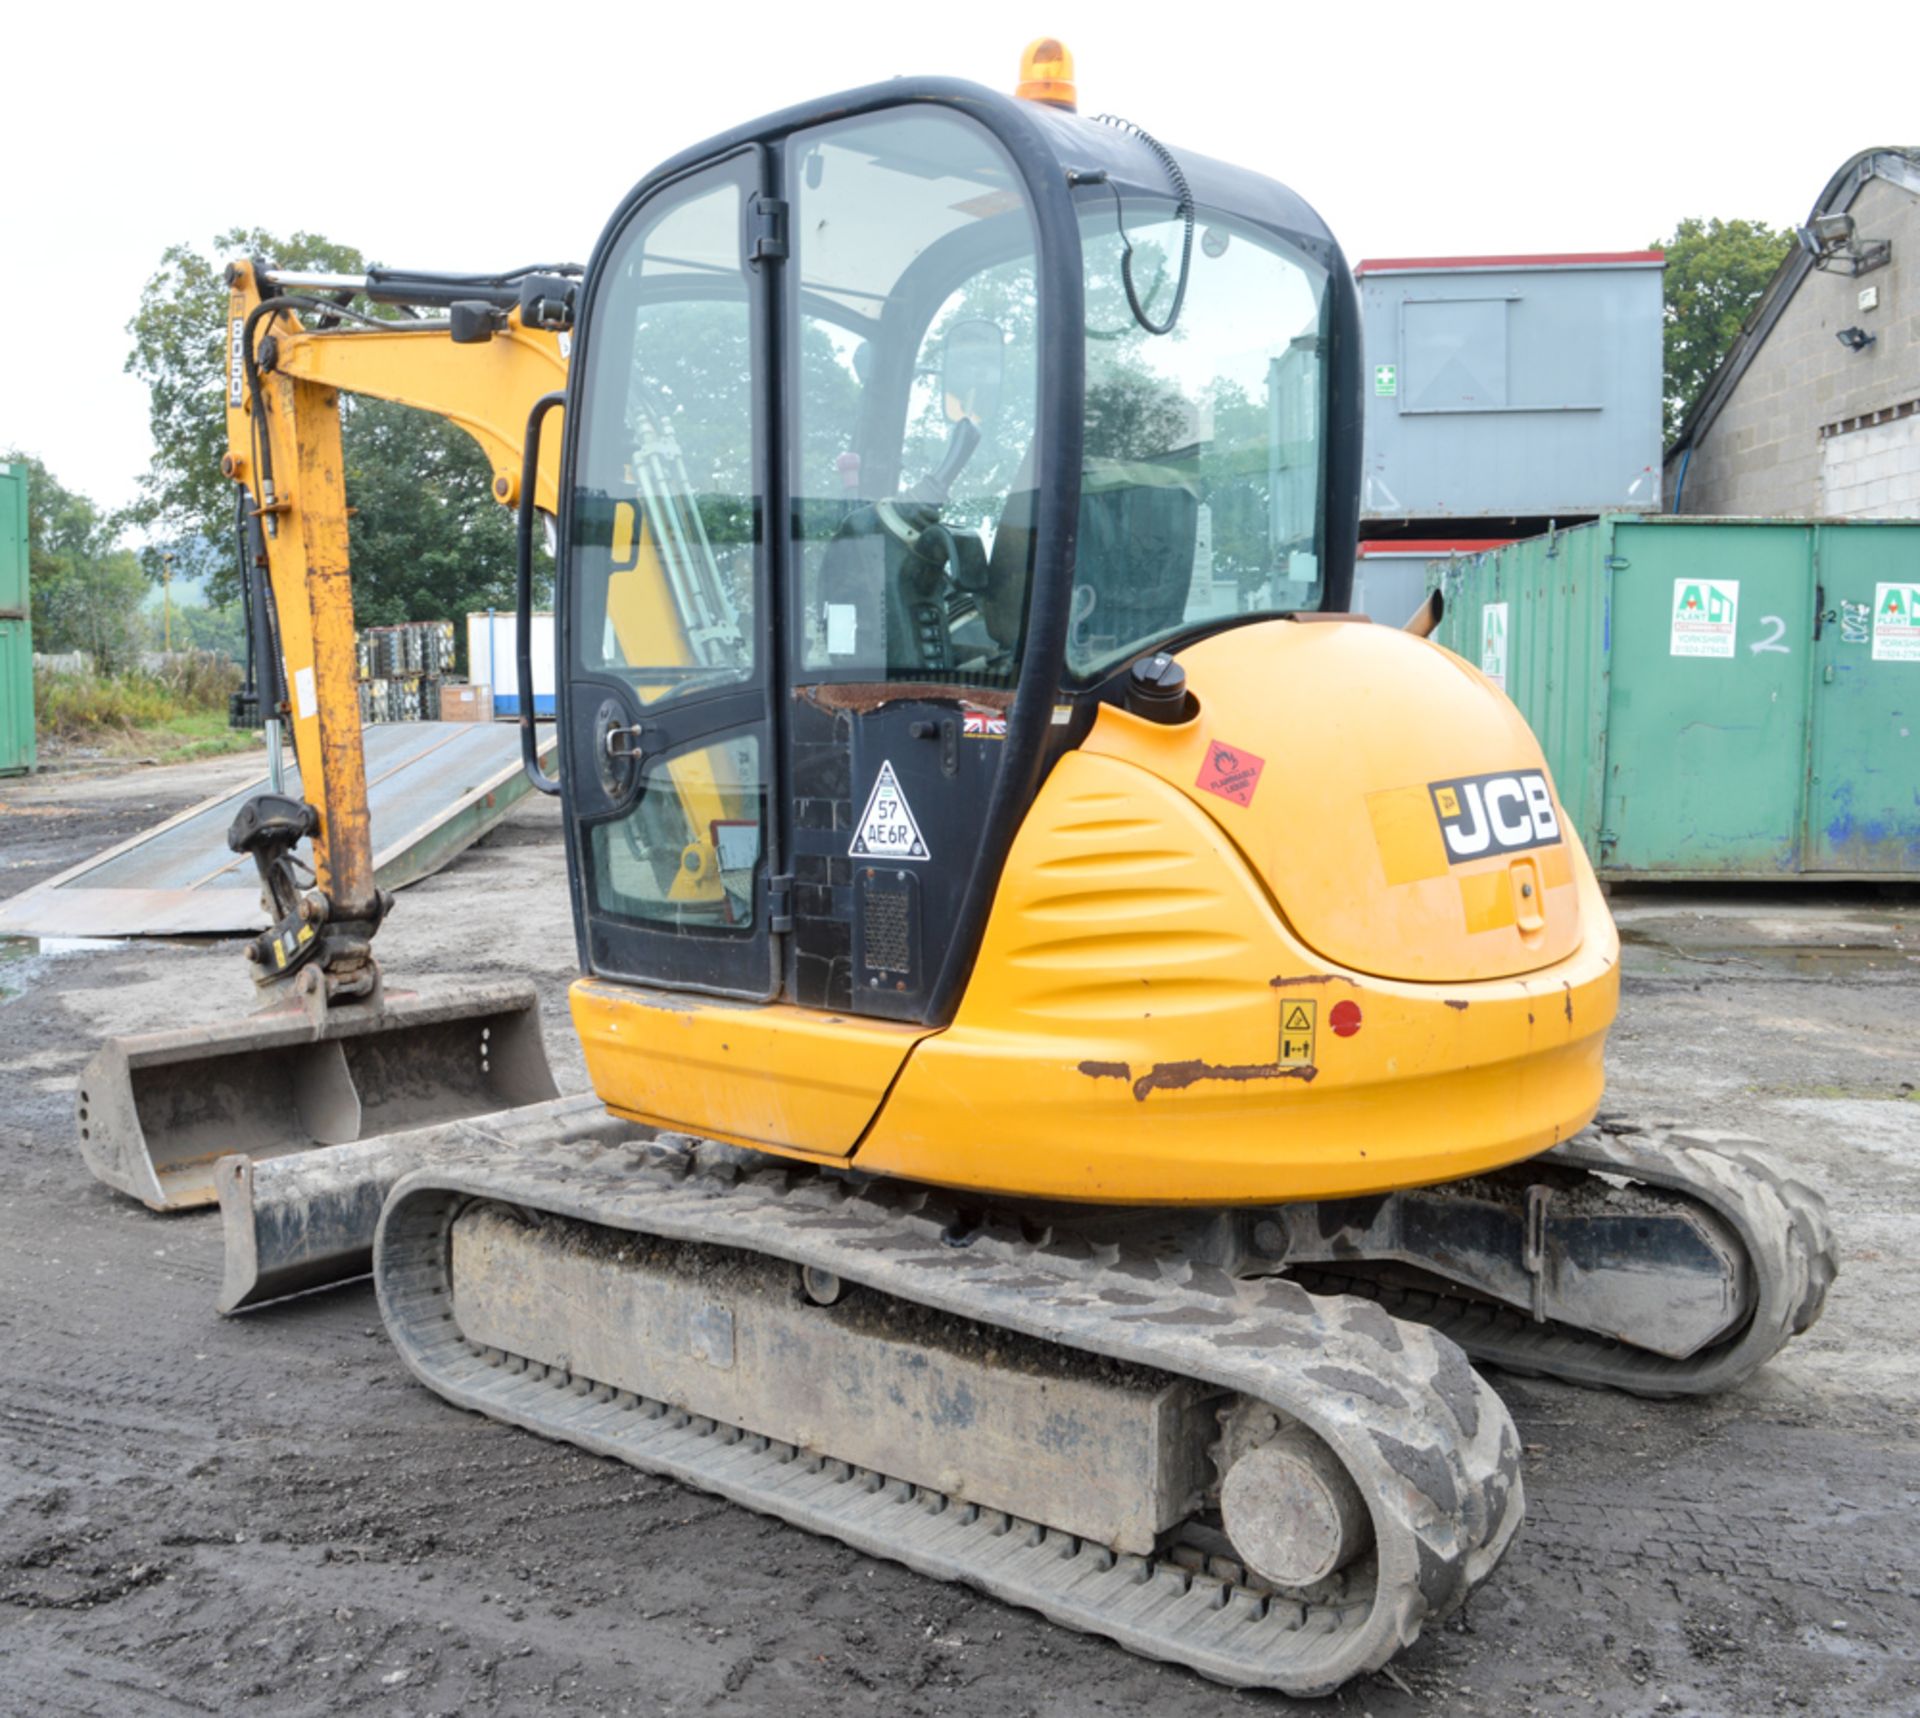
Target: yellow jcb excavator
1090	1039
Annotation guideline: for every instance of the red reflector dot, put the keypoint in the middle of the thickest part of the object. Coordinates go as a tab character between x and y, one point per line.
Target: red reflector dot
1345	1019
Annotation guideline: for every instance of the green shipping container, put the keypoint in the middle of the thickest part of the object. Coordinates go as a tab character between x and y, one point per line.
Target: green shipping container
1725	698
16	634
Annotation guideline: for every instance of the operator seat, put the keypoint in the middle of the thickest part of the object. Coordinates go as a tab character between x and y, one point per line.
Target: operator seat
1139	527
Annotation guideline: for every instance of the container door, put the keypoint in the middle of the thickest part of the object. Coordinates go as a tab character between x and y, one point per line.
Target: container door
1706	743
1863	807
13	540
16	644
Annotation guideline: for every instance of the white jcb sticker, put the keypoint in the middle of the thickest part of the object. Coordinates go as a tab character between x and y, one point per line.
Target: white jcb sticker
887	830
843	628
304	702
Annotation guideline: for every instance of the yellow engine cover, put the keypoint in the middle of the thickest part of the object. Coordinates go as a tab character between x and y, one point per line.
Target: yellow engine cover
1328	937
1269	975
1325	751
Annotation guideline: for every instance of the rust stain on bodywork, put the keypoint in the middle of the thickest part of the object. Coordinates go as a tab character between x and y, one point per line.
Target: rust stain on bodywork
1177	1076
1106	1070
865	696
1284	982
1454	1002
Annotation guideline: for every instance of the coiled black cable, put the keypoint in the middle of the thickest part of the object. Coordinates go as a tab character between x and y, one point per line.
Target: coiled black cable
1186	209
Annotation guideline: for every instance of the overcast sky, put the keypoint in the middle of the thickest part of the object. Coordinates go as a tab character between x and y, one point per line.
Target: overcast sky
476	135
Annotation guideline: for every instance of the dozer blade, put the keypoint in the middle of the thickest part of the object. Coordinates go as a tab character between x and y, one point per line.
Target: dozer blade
158	1110
306	1219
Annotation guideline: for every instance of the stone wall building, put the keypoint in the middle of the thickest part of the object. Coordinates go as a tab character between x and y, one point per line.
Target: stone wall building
1815	410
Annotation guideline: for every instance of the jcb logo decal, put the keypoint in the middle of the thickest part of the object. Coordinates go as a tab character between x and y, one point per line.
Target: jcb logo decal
1484	814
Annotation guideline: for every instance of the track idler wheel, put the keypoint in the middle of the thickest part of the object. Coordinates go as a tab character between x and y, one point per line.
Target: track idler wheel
1292	1512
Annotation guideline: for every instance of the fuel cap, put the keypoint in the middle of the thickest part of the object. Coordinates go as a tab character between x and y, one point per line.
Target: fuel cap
1157	689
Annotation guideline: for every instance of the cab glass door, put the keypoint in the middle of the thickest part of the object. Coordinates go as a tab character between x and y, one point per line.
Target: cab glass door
671	772
913	454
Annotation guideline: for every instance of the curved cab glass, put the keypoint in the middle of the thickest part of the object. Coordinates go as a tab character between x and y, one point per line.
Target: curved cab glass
1202	477
913	321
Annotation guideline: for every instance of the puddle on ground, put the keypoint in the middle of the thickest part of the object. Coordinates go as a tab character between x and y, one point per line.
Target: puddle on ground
20	956
1647	954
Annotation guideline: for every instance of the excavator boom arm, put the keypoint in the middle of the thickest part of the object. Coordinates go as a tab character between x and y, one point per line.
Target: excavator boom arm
481	369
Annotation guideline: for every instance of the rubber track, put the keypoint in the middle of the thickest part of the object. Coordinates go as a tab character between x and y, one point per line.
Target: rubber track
1779	1220
1427	1441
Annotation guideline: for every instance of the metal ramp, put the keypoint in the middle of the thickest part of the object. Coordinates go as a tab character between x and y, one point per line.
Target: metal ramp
433	789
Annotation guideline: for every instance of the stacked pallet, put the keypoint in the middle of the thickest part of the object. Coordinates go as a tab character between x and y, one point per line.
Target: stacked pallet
402	670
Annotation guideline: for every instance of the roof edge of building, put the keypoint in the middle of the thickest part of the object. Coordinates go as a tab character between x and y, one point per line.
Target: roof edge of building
1899	165
1545	259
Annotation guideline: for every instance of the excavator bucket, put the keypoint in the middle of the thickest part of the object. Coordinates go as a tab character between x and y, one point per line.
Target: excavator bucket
307	1219
157	1111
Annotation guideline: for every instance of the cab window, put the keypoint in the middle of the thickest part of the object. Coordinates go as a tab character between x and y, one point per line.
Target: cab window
915	377
1200	493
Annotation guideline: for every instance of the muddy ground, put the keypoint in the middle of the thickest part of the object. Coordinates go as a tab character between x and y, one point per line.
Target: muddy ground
266	1514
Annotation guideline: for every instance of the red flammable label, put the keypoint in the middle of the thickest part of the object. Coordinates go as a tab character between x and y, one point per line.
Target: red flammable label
1230	772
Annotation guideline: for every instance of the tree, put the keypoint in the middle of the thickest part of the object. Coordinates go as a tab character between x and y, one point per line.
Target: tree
427	541
1716	271
85	588
180	352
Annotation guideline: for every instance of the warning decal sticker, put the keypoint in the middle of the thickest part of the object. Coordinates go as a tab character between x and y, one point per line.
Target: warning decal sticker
1896	623
887	829
1705	613
1493	643
1230	772
1297	1020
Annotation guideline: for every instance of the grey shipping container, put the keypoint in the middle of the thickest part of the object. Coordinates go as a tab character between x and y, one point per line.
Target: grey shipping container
1511	387
1731	698
16	631
1391	575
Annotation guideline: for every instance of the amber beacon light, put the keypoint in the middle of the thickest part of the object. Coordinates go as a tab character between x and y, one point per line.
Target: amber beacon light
1046	74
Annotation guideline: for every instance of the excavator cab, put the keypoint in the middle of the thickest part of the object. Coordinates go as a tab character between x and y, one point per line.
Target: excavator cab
901	429
882	472
929	453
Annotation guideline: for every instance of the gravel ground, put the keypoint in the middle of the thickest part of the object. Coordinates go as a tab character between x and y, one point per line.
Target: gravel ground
265	1514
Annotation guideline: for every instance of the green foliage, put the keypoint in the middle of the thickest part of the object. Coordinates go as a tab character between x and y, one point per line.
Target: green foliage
1716	271
191	681
218	630
68	706
178	712
428	542
180	353
86	589
199	679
